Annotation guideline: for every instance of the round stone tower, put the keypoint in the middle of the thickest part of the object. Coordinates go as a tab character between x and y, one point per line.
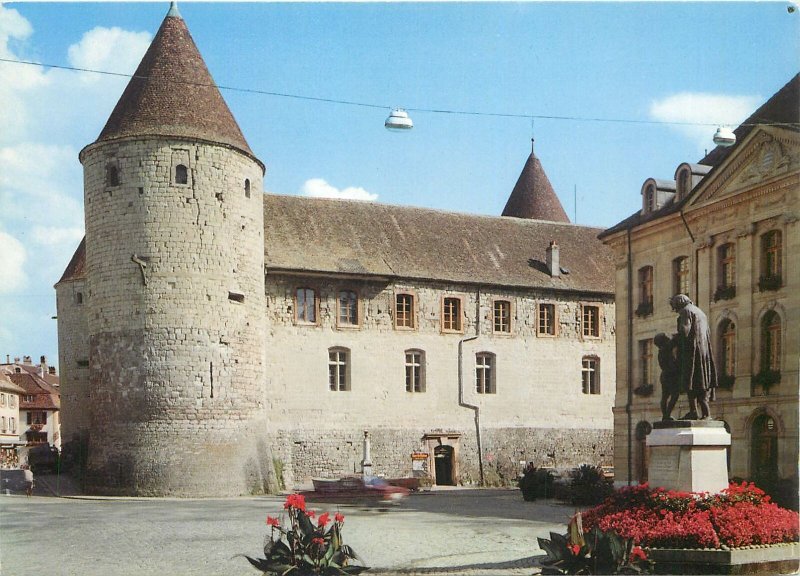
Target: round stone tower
175	280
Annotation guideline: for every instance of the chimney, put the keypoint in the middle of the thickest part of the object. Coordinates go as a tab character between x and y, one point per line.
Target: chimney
552	260
8	358
51	370
42	366
27	360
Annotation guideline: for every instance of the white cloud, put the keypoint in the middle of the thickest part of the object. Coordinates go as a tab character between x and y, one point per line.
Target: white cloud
54	236
108	49
12	263
703	108
319	188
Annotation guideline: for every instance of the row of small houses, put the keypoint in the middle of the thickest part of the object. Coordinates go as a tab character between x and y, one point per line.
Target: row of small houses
29	409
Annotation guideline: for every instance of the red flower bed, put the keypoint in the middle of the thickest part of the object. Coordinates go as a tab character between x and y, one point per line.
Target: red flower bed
742	515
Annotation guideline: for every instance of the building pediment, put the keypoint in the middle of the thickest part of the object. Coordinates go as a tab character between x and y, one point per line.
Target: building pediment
768	153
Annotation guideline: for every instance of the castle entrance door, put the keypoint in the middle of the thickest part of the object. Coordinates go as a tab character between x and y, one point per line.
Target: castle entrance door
443	457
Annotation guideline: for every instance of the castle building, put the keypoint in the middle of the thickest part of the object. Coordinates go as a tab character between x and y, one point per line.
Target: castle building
725	232
214	339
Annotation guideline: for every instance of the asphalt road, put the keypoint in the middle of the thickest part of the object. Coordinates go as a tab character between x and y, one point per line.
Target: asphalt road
476	532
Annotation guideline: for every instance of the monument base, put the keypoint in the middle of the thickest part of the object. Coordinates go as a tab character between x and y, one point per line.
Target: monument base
688	456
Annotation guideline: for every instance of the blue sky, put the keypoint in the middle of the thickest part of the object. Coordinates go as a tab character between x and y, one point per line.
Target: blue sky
681	62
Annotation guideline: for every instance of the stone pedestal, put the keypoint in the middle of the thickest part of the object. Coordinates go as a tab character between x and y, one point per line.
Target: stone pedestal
688	455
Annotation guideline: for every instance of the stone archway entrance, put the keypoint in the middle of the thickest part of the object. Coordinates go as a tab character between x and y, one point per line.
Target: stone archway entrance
443	457
443	449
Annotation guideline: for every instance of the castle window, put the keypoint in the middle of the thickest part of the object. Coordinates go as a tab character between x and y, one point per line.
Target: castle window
37	417
2	399
684	183
727	347
12	400
348	308
236	297
404	310
415	371
546	325
771	342
727	265
79	298
338	374
112	175
771	255
645	307
646	362
306	306
2	423
12	424
181	174
247	188
590	375
485	373
451	314
590	321
501	315
649	200
680	275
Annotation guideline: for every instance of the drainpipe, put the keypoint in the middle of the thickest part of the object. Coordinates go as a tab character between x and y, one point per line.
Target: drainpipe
472	407
629	363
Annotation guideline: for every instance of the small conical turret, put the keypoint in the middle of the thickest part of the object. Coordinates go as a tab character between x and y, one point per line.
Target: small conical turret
533	196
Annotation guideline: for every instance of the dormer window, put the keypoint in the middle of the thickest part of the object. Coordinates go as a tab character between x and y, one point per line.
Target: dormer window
684	183
649	198
181	174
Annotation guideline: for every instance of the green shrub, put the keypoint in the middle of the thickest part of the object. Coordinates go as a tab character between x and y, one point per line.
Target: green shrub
536	483
588	486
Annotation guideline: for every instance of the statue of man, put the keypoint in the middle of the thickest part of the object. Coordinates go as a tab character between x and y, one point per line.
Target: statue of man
697	373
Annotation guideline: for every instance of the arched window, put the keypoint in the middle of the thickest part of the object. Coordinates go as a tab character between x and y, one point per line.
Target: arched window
727	353
590	375
181	174
680	275
485	373
684	183
649	200
247	188
338	369
771	342
764	449
415	371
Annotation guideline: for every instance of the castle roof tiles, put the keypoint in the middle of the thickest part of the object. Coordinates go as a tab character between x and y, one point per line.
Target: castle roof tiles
173	94
533	196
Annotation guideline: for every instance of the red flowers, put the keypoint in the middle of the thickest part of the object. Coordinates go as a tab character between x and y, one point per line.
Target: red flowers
339	517
637	554
318	541
297	501
742	515
311	513
575	549
323	519
272	521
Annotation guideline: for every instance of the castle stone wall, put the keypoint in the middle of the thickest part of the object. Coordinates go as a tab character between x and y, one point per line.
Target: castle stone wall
73	358
176	285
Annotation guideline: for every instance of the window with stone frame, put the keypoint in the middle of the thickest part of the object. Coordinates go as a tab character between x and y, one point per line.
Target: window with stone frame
684	183
2	399
546	324
451	314
2	423
501	316
727	341
727	265
680	275
305	305
415	371
338	369
645	307
649	198
247	188
12	400
36	417
404	310
590	375
348	308
771	254
112	175
12	424
485	373
646	362
590	321
771	342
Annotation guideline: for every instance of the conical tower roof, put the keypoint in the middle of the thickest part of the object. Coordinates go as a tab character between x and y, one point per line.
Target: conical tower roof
173	94
533	196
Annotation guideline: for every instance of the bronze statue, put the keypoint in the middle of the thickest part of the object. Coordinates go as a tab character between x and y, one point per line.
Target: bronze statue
667	361
697	374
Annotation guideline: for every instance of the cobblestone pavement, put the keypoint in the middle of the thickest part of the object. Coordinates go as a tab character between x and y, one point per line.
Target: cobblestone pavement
468	531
